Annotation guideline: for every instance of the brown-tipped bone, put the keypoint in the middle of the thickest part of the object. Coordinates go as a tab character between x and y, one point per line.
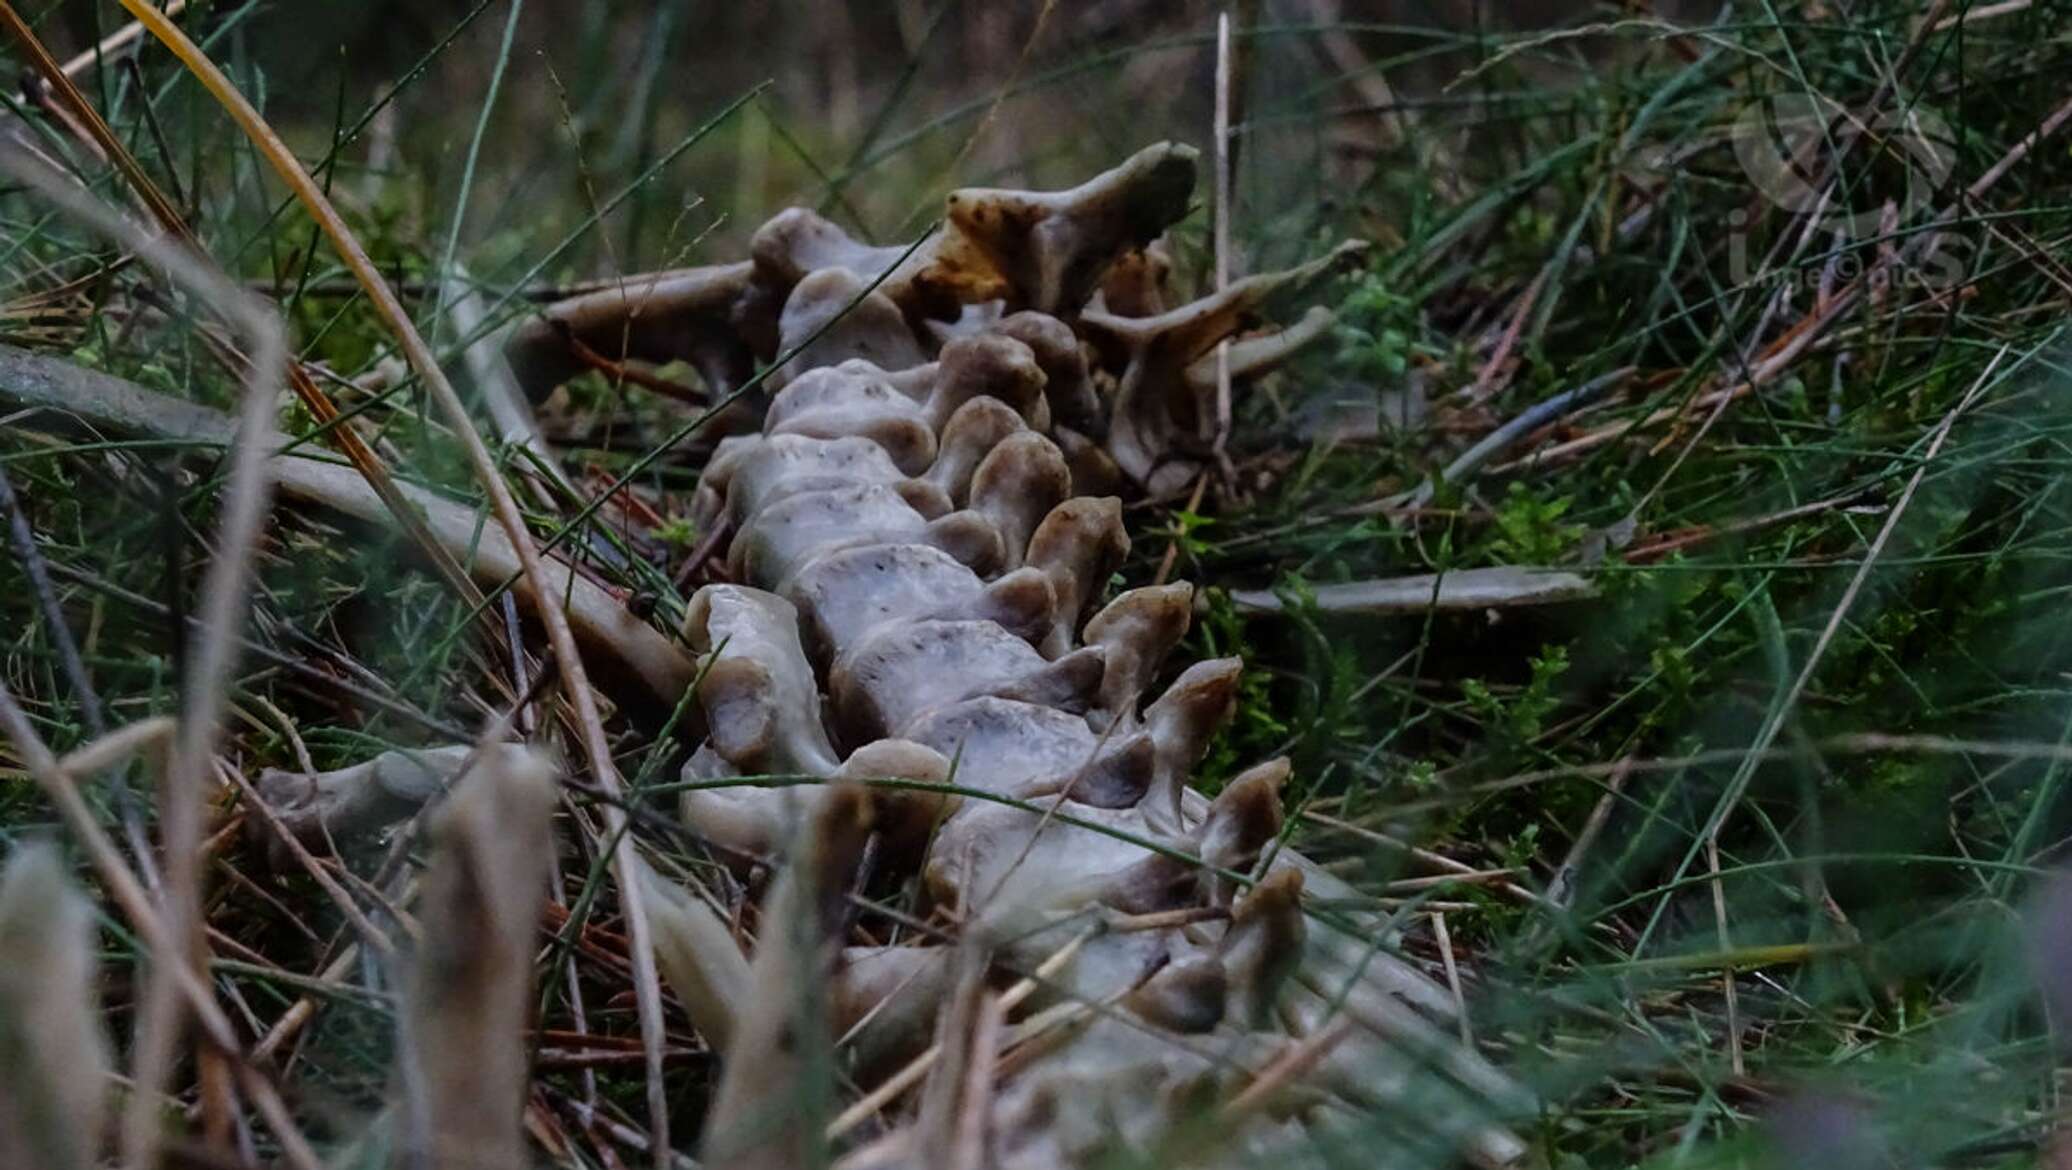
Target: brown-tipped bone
1117	776
1094	471
1242	819
903	817
464	1065
1138	629
761	1117
54	1079
1159	412
1185	996
1181	723
1068	684
1020	602
972	432
1078	544
1048	251
988	366
713	318
1263	947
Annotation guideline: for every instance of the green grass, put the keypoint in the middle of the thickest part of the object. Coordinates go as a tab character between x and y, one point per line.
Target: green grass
1583	184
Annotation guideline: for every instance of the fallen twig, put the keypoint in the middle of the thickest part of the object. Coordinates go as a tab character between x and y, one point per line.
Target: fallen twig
1498	587
1528	421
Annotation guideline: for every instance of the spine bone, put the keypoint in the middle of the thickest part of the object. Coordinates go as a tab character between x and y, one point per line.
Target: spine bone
921	537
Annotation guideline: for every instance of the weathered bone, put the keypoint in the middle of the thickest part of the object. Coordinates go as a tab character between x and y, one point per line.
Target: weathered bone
758	690
717	319
1034	250
905	670
886	1000
832	402
972	433
336	807
1165	399
843	595
1136	286
1079	544
1135	632
1049	250
1067	382
1181	723
1024	750
832	316
1007	681
752	472
1263	946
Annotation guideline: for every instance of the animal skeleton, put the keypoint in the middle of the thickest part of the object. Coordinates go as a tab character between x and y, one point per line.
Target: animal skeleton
922	524
922	499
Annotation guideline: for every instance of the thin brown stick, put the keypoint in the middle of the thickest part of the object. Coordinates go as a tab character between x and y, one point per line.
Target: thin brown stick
1487	385
1444	938
1297	1059
618	371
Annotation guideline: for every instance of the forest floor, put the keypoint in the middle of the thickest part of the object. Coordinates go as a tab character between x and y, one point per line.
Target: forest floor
1756	325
